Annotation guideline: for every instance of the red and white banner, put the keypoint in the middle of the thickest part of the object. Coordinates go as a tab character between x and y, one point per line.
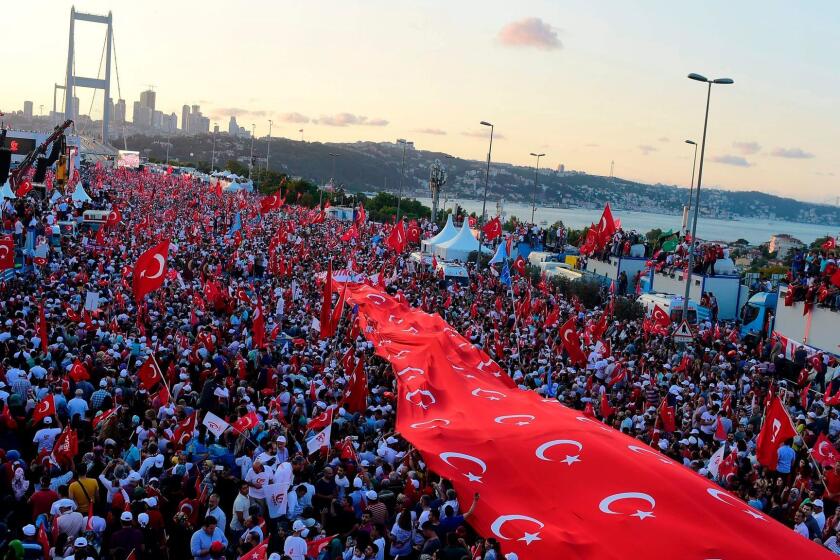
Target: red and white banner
460	410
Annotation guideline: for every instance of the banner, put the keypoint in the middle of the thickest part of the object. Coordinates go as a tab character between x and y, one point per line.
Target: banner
276	496
215	425
474	428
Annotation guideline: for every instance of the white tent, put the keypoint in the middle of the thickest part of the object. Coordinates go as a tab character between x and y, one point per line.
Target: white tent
79	194
460	246
446	234
6	191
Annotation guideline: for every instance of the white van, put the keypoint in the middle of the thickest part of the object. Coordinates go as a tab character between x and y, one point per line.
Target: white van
673	305
420	258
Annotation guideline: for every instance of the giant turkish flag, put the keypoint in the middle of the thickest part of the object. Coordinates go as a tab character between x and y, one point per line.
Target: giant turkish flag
150	270
553	483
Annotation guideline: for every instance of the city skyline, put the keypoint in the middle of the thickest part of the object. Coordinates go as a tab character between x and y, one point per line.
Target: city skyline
584	84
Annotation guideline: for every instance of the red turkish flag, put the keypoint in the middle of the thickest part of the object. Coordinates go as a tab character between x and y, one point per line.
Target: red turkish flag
24	188
315	546
824	452
259	552
355	396
66	446
606	226
114	217
245	423
519	265
729	466
184	430
606	409
835	279
78	371
150	270
242	296
321	421
326	304
149	373
571	341
777	428
829	244
361	216
351	233
467	424
660	317
258	326
7	253
413	232
397	239
271	202
99	418
43	409
720	429
667	416
492	229
44	540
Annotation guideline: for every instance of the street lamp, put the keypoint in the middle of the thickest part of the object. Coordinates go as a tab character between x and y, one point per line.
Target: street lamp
301	134
536	172
486	182
691	186
268	148
321	193
718	81
405	144
213	157
251	160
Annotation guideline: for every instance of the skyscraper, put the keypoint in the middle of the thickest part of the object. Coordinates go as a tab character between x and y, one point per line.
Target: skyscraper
147	99
27	108
119	112
185	118
135	113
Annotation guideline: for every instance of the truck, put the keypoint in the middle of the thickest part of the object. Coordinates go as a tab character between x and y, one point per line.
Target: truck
765	316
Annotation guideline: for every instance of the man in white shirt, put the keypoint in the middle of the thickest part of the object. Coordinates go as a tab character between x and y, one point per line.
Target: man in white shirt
258	476
45	437
295	546
240	511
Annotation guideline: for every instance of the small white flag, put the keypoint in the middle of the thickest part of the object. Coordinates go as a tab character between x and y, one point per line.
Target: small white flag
276	496
214	424
321	439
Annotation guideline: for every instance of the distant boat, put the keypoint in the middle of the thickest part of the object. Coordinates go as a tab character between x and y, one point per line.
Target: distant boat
543	222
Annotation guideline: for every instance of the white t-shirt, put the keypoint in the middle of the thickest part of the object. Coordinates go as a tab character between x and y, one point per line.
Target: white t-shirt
254	477
241	503
708	428
295	547
45	438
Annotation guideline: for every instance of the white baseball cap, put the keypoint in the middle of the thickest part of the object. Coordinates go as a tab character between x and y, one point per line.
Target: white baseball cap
126	516
80	542
298	526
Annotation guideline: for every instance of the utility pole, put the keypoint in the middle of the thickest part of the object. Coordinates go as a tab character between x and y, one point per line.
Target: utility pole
268	148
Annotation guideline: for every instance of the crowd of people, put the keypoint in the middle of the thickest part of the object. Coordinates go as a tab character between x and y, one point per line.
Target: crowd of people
145	473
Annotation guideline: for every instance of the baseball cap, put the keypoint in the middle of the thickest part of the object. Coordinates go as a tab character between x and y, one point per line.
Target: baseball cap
143	519
80	542
29	530
126	516
298	526
371	495
818	503
511	556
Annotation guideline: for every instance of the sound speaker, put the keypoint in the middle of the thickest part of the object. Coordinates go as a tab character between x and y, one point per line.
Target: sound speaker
5	164
57	149
40	170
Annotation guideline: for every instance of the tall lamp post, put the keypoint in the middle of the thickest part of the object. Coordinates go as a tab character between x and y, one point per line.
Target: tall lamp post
718	81
486	182
536	182
405	144
251	160
268	148
213	157
321	190
691	186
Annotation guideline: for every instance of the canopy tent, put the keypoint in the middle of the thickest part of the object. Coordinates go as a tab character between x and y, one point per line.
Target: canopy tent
6	191
79	194
460	246
444	235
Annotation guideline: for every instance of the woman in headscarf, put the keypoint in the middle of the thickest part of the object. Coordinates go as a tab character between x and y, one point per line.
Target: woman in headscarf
19	484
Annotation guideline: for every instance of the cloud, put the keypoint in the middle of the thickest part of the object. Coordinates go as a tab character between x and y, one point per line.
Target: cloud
664	139
240	112
484	135
747	148
294	118
530	32
435	131
646	149
791	153
348	119
737	161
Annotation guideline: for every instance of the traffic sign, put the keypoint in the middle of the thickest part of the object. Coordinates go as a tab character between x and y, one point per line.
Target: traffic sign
683	333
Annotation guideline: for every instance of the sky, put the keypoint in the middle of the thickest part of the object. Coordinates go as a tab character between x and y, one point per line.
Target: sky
584	82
